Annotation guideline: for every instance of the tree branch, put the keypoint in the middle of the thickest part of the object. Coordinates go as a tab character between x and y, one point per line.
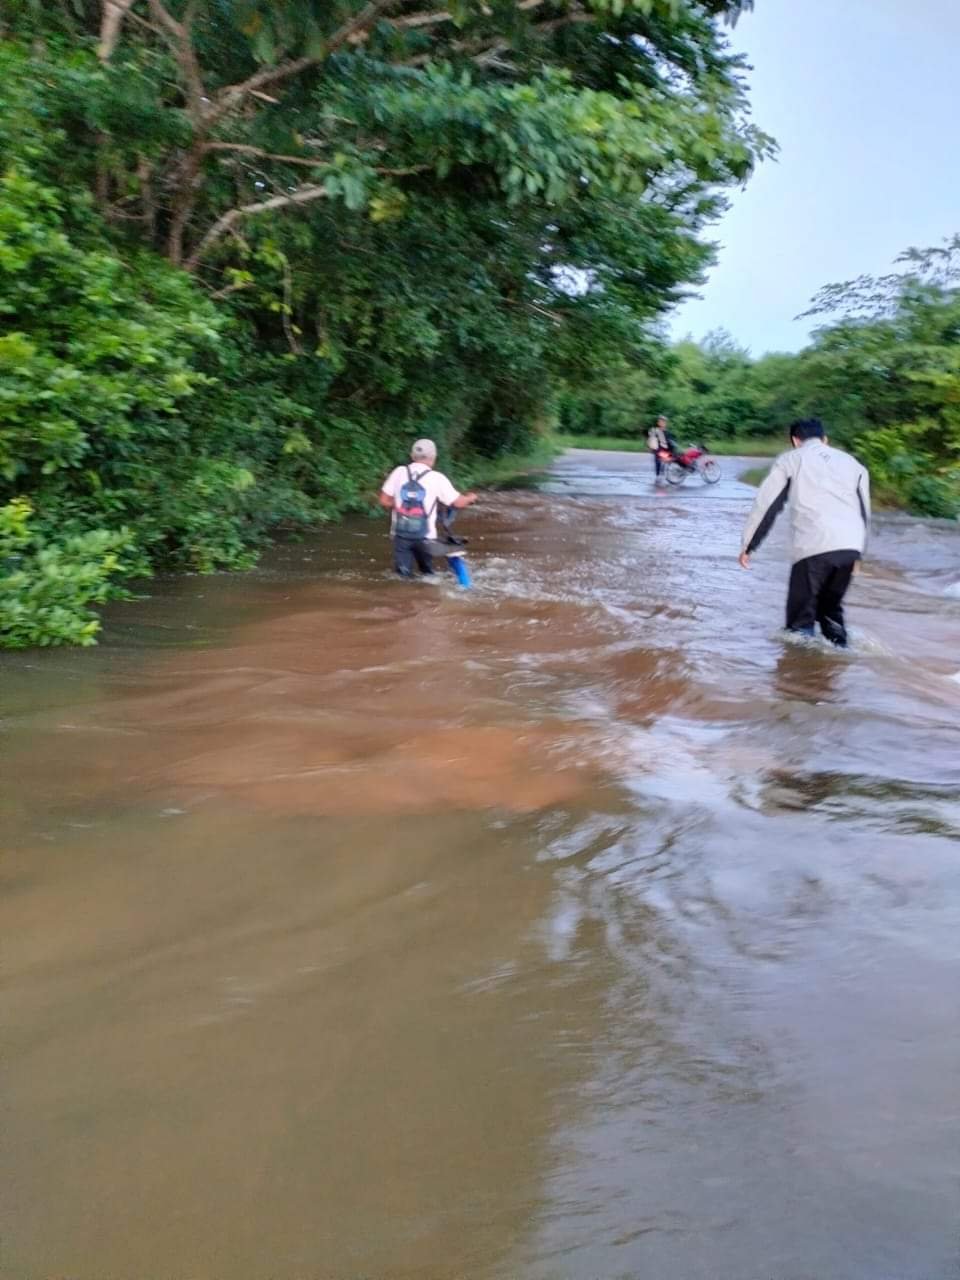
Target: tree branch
112	15
147	198
402	173
553	316
480	49
227	289
143	22
570	19
243	149
303	195
415	20
289	328
491	56
344	34
422	19
179	39
189	180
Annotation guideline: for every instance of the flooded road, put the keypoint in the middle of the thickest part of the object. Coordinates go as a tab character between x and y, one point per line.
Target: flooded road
573	927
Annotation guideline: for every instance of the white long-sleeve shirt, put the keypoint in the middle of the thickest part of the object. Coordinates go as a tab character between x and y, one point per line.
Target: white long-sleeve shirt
828	493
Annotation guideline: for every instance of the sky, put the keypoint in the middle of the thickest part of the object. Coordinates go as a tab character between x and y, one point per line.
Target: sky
863	97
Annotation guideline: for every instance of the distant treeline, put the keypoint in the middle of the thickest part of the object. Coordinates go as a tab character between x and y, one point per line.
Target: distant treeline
882	371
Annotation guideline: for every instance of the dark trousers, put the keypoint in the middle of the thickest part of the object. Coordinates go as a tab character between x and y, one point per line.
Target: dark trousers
657	461
817	587
408	552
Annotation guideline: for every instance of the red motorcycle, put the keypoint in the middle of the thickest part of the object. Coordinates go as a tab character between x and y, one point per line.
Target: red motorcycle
694	460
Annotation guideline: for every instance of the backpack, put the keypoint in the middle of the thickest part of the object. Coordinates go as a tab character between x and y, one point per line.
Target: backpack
410	507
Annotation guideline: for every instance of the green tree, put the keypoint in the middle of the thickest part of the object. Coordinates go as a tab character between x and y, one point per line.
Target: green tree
885	374
711	390
206	114
250	247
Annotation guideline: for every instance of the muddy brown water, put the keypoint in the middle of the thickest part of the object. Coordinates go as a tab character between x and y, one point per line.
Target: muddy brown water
576	926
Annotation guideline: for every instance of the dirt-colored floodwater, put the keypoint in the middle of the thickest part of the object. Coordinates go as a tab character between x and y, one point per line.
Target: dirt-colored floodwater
573	927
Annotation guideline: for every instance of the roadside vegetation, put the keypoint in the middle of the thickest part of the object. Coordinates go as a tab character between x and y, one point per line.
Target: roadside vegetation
250	248
882	371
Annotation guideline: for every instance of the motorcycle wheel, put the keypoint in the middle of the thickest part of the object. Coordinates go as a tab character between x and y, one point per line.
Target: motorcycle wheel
711	471
674	473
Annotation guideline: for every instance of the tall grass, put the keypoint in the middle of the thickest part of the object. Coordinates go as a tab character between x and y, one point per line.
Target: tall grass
492	471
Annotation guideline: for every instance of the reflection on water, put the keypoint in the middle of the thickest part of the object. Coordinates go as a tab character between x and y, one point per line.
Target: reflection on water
576	926
807	673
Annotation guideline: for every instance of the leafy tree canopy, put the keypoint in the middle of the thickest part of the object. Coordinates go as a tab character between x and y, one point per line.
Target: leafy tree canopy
248	247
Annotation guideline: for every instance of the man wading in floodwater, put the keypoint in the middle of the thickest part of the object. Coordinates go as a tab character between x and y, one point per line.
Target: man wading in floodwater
829	496
411	494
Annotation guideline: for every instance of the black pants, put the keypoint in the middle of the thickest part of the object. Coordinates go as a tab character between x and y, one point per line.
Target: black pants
408	552
817	587
657	461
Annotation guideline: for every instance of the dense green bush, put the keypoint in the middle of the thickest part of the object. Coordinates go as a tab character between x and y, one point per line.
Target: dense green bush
905	473
123	396
885	373
47	587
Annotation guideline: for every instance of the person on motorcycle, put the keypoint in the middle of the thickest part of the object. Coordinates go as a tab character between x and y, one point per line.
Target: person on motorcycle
659	439
828	492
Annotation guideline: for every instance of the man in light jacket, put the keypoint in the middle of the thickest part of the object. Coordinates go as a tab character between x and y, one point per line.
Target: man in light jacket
828	493
658	438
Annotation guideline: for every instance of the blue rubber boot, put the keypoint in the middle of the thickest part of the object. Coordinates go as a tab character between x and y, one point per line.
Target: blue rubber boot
458	567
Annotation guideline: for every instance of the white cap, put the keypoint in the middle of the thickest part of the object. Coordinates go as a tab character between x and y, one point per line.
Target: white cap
423	450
